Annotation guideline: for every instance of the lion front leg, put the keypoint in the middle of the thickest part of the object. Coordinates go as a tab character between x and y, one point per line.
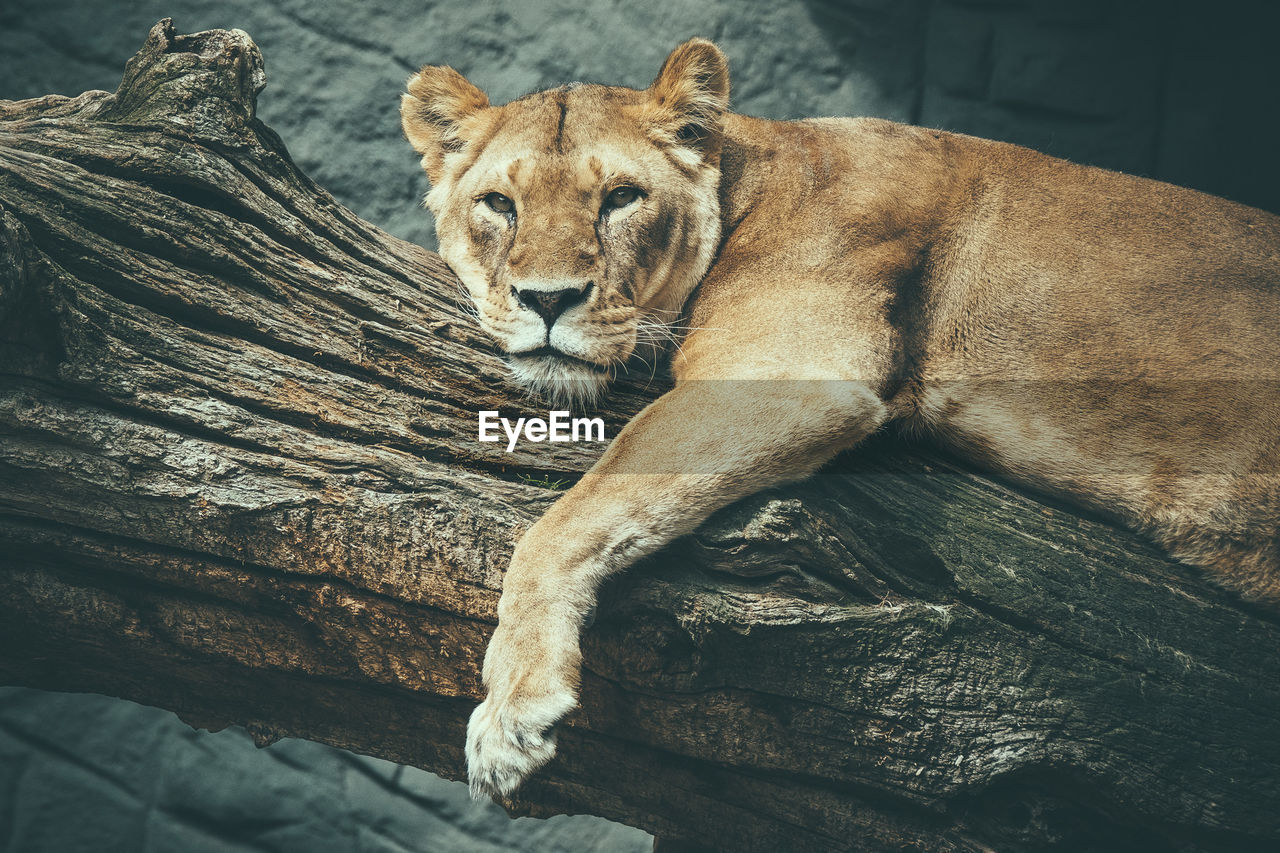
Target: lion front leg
531	678
700	447
531	667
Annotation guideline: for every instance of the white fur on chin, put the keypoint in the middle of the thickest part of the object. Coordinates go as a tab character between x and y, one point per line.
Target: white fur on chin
563	383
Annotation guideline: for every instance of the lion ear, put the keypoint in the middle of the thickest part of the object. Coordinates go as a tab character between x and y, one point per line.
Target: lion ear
688	99
433	111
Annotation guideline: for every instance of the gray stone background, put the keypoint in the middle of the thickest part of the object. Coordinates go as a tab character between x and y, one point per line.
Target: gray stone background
1182	91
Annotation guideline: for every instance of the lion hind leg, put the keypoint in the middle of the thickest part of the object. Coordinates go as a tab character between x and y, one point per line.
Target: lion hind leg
1237	542
1251	569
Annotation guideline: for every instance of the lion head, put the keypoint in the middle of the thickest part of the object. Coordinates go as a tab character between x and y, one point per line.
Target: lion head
579	219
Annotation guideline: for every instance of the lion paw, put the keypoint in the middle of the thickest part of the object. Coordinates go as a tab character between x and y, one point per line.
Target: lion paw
506	741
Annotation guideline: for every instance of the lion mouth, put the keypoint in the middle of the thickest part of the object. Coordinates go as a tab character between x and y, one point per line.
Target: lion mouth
551	353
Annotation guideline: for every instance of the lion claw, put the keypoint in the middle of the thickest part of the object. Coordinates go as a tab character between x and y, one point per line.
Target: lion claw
507	741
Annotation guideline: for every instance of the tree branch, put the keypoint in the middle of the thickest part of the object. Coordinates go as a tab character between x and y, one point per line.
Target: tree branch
239	478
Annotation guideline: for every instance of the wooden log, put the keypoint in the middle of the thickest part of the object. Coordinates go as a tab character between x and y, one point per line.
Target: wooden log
239	478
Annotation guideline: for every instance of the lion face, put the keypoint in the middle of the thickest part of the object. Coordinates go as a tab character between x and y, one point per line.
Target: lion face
579	219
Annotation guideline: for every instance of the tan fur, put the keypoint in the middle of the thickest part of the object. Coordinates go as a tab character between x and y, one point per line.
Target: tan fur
1105	338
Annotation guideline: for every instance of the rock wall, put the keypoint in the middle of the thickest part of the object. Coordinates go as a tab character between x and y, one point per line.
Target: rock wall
1173	90
1164	88
93	774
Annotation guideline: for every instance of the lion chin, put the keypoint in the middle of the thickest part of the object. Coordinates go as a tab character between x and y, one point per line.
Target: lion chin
563	380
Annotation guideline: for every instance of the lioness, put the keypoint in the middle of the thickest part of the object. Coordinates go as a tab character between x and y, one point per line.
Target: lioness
1109	339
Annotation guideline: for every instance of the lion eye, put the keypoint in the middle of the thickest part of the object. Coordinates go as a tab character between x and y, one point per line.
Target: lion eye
621	197
499	203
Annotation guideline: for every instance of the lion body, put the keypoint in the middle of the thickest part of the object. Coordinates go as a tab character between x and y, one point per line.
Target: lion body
1101	337
1109	339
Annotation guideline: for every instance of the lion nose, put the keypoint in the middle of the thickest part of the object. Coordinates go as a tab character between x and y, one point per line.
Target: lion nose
550	304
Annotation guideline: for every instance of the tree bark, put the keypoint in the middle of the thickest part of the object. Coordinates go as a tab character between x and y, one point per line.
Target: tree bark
239	478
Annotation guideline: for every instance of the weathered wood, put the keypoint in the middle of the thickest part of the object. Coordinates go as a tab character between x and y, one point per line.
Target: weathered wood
239	479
